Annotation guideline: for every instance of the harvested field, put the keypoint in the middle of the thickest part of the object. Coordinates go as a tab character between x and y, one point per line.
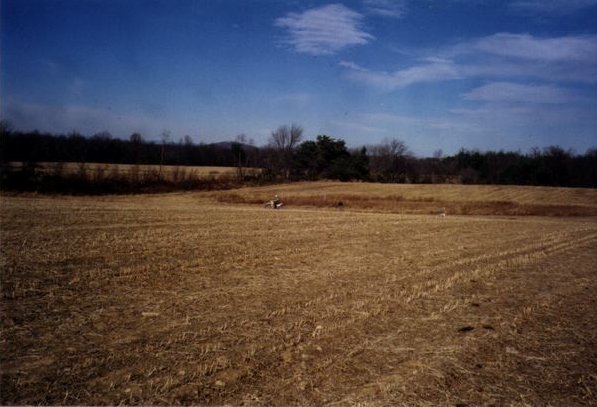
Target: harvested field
168	172
179	299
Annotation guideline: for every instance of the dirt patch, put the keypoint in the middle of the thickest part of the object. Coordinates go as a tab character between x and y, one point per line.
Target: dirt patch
425	199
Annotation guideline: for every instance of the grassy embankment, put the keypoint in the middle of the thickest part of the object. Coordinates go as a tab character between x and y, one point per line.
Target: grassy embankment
426	199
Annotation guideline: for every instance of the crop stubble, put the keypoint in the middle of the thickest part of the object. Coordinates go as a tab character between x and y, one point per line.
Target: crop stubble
176	300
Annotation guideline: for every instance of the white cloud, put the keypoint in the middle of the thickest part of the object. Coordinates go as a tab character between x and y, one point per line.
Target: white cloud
552	6
324	30
438	70
531	93
567	58
386	8
527	47
500	92
353	66
502	56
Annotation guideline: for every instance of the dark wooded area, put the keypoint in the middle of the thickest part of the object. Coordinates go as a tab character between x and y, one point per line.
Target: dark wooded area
288	158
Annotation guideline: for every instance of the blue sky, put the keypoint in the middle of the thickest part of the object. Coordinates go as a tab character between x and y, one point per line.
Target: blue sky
438	74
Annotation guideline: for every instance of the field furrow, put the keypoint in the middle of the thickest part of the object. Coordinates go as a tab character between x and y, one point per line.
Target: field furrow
178	300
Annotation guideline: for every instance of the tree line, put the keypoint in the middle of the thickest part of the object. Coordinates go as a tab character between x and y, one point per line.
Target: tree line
103	148
391	161
287	157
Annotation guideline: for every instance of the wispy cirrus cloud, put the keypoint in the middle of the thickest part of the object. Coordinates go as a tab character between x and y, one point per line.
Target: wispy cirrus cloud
324	30
507	92
385	8
505	56
530	91
554	59
528	47
432	71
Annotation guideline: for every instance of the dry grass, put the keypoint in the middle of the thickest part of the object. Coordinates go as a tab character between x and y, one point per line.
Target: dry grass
174	299
428	199
168	172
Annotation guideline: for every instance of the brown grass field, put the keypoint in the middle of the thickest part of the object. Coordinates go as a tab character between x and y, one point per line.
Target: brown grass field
208	298
169	172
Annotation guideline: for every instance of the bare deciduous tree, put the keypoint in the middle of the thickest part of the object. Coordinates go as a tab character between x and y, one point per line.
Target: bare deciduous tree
283	141
136	143
285	138
188	140
165	140
240	155
389	160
